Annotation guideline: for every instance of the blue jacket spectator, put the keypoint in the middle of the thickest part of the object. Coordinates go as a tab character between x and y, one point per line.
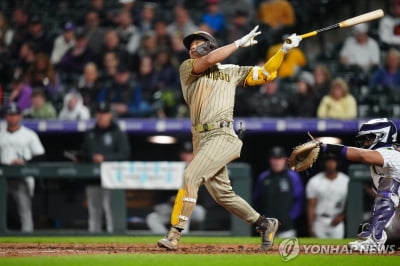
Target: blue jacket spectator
389	75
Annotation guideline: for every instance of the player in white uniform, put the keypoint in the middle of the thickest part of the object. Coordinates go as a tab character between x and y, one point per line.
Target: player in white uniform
326	195
19	145
376	139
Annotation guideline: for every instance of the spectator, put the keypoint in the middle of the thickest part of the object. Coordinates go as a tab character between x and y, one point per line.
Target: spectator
94	33
132	8
178	49
239	25
360	50
105	142
128	33
280	184
112	44
18	146
24	60
20	19
73	108
40	109
6	32
147	17
21	93
110	67
63	42
389	74
326	200
120	93
214	18
389	26
144	102
38	36
293	61
89	85
41	74
78	56
149	46
182	24
167	83
322	79
339	103
277	14
268	102
99	6
304	102
163	40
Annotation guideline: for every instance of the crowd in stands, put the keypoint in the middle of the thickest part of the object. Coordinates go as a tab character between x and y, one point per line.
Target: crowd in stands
59	58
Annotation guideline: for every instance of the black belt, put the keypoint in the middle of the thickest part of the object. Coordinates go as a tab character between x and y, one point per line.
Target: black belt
211	126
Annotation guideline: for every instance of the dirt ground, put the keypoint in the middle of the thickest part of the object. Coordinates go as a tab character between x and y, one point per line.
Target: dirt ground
24	250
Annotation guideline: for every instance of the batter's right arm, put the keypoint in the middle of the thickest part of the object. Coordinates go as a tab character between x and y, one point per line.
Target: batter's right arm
218	55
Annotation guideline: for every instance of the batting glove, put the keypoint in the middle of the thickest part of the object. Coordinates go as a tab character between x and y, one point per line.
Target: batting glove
291	42
248	40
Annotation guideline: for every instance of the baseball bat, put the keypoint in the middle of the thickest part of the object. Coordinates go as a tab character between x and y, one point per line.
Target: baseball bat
348	22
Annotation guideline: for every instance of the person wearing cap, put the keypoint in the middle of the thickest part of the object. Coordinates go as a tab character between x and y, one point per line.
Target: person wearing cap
208	88
63	42
20	145
74	60
104	142
304	102
360	50
280	184
326	201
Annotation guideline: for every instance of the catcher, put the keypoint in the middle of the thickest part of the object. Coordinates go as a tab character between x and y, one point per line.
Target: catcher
208	88
376	140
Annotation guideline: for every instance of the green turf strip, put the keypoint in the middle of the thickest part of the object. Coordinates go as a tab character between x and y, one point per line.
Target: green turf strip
153	239
194	260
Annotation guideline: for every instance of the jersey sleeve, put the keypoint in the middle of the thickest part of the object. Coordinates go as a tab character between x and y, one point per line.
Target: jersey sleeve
391	158
35	145
185	72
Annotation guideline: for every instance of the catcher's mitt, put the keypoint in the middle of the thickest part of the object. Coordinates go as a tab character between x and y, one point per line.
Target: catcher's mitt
304	155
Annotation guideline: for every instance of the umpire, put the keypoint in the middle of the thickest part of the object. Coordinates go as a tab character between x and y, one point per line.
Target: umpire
105	142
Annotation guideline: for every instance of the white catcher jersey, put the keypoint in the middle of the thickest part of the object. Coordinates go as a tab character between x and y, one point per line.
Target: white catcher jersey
21	144
330	194
390	168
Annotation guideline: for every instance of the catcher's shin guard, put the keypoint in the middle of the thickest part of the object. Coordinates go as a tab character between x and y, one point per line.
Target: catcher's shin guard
385	205
183	208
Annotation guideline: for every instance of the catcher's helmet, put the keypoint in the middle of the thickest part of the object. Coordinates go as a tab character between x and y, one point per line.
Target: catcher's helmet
200	35
382	130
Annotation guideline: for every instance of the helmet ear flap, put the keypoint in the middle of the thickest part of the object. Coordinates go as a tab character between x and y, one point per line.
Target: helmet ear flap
205	48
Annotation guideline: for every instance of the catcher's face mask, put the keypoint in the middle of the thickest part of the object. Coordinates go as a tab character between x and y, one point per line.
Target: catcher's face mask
365	141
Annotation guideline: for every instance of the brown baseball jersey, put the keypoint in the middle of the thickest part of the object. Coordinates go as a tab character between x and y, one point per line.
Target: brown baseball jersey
211	95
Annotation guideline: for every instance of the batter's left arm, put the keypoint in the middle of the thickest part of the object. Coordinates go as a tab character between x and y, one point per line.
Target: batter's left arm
268	72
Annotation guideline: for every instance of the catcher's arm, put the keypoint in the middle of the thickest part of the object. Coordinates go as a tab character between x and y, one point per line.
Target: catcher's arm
354	154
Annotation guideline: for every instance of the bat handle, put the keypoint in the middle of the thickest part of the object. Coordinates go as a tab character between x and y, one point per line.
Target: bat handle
309	34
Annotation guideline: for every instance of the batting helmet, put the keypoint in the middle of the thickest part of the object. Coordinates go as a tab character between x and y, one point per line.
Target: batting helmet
200	35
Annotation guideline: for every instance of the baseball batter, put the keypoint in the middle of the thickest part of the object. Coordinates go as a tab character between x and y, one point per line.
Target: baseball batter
209	90
376	139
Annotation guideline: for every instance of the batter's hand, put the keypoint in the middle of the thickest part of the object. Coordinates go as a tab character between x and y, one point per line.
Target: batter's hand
291	42
248	40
